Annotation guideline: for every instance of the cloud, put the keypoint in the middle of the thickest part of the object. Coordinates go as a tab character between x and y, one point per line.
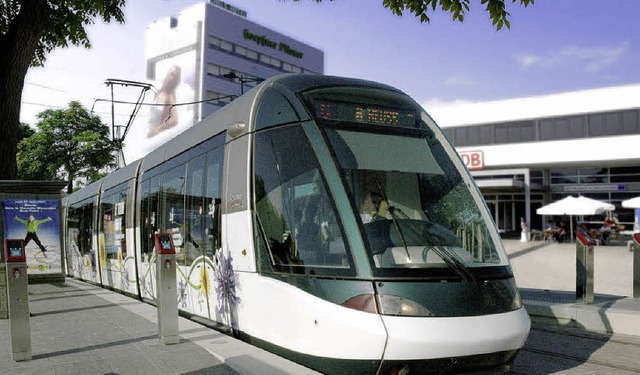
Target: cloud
593	59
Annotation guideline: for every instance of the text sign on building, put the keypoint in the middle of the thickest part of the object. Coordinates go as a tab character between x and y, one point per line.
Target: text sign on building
229	7
262	40
474	160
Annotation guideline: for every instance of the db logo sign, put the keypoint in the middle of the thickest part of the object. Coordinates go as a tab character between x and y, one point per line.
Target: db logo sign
473	159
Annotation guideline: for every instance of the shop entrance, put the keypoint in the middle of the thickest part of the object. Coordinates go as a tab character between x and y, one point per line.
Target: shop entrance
507	209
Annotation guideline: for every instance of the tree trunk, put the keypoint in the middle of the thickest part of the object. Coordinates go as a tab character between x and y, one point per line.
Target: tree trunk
70	186
18	48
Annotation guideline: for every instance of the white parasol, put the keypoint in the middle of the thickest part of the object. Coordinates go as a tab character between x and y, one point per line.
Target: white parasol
571	206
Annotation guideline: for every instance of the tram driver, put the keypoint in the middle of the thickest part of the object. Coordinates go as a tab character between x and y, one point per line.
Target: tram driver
370	208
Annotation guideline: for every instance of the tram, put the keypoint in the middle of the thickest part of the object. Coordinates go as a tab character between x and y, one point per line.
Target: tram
325	219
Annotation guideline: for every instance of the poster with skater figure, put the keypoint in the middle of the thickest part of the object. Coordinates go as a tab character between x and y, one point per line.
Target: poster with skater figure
36	221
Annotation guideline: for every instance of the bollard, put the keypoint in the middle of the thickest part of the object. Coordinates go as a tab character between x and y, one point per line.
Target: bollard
167	294
584	268
18	298
636	265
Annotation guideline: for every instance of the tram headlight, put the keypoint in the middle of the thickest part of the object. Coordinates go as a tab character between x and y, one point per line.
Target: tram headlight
394	305
386	304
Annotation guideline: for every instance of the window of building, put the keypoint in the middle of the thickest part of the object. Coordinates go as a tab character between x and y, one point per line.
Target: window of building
291	68
461	136
246	52
242	51
227	46
214	42
213	69
271	61
630	123
252	55
613	123
625	174
217	98
561	128
547	130
448	132
564	176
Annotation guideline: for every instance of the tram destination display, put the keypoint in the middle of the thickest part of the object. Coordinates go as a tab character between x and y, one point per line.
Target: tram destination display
356	112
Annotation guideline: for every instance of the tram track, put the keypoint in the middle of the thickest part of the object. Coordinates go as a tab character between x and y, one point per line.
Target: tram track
594	340
578	360
580	333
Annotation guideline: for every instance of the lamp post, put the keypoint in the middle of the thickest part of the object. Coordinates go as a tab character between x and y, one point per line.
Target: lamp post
242	79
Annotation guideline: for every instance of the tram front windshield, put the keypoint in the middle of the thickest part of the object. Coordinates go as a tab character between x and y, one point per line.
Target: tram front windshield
418	209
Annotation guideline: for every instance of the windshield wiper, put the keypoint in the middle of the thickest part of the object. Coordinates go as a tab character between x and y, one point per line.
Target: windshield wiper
453	262
394	219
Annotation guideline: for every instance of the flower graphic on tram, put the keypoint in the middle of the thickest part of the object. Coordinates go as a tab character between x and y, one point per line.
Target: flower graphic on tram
226	282
204	280
182	293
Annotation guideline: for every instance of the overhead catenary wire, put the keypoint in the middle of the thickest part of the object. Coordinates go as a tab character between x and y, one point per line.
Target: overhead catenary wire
160	104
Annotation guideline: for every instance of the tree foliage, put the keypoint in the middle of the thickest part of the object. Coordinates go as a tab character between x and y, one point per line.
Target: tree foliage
29	30
70	144
25	131
457	8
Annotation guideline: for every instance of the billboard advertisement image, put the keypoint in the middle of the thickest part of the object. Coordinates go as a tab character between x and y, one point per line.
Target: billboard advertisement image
37	222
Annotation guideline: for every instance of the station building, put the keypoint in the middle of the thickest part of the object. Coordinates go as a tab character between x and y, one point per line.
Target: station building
528	152
207	55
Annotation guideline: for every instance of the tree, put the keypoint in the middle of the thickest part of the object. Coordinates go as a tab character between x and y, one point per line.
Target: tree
457	8
69	144
29	29
25	131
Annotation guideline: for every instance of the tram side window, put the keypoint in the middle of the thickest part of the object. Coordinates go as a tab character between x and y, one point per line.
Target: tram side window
87	229
112	226
80	227
213	199
148	212
106	227
294	211
73	228
193	246
275	109
172	210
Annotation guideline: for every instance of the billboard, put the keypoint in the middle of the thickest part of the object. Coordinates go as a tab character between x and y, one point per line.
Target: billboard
37	222
176	85
172	54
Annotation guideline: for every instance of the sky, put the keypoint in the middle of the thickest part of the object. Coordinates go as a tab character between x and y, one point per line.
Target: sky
553	46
